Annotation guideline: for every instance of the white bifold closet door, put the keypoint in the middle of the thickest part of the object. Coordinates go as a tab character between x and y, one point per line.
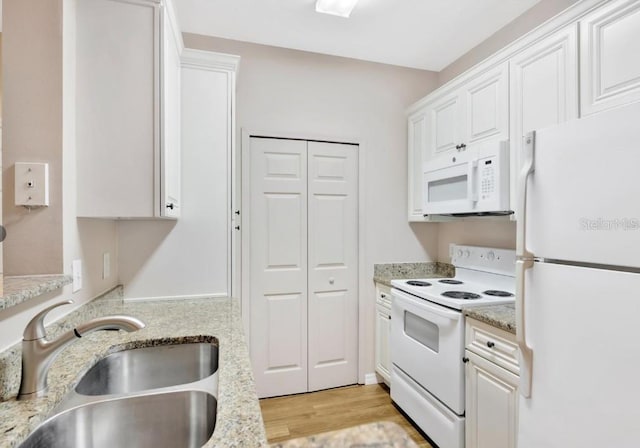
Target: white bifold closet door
304	273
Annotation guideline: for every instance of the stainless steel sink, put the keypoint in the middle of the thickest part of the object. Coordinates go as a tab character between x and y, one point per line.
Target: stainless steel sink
147	368
173	419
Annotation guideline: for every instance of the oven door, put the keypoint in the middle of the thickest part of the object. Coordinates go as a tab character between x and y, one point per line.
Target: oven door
450	185
427	344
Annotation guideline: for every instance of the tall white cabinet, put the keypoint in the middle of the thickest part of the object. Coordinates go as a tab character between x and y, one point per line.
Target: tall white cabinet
128	109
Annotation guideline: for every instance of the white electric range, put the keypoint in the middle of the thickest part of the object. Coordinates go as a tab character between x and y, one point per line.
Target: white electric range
427	337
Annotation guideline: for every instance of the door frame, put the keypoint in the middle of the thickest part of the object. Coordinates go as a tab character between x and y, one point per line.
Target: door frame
245	226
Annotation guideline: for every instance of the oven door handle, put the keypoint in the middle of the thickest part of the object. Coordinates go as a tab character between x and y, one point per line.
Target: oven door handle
424	305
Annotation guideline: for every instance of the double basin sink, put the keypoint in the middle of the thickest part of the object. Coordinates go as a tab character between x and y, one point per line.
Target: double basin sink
160	396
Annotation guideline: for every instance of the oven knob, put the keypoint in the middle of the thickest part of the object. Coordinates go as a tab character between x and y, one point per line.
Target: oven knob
459	253
467	254
491	255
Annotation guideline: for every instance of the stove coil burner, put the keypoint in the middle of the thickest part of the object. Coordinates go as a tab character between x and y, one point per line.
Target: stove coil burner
450	282
464	295
418	283
497	293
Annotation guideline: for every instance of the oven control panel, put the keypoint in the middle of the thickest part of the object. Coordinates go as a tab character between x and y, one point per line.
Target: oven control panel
498	261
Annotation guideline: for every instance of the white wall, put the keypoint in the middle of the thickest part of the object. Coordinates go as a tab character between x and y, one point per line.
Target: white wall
50	240
307	94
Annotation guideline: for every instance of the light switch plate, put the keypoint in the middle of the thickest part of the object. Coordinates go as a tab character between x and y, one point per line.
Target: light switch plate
76	270
32	184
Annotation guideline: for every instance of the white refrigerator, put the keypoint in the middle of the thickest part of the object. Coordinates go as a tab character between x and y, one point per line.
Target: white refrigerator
578	283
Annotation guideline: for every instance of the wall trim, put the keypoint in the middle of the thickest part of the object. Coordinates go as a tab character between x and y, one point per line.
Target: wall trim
371	378
209	60
214	295
566	17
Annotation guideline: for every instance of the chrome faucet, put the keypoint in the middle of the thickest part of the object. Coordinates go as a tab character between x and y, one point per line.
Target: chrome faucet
38	352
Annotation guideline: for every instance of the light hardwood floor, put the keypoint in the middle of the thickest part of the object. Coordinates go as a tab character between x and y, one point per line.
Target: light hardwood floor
307	414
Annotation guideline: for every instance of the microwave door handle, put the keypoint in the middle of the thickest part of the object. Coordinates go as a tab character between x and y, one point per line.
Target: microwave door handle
524	262
472	191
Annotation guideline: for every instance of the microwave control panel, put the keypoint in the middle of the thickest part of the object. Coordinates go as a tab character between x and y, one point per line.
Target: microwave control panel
487	171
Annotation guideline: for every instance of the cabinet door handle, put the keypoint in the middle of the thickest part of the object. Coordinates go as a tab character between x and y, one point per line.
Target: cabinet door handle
383	295
463	146
465	360
237	212
170	205
491	344
237	227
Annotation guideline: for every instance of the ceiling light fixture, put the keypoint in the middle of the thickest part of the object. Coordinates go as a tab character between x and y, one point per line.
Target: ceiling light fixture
340	8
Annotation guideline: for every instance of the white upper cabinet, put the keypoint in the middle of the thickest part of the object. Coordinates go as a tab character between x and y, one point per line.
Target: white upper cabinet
476	110
610	56
444	124
544	88
171	121
416	155
486	105
127	109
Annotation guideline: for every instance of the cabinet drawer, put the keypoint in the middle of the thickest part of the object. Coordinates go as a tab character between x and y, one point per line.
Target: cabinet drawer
494	344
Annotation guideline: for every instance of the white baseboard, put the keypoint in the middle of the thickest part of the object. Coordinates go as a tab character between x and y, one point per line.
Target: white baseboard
371	378
185	297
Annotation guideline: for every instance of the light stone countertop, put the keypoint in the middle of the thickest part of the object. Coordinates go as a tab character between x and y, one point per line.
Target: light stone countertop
499	316
239	419
19	289
384	273
378	435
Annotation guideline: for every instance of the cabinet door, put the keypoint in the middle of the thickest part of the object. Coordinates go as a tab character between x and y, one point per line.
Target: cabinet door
444	124
544	89
383	355
486	105
492	405
610	56
415	158
117	108
171	124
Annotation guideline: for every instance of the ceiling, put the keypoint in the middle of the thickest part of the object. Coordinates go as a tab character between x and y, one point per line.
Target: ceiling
424	34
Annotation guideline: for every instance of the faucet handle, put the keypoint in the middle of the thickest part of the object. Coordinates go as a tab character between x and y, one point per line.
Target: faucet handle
35	328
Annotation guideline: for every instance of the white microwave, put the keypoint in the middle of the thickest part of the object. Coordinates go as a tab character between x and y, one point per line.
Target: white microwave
471	182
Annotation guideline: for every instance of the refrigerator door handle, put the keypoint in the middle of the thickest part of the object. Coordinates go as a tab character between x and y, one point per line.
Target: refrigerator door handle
525	260
526	354
528	167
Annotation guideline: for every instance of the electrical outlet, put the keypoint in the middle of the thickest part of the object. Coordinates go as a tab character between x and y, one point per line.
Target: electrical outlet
76	270
106	265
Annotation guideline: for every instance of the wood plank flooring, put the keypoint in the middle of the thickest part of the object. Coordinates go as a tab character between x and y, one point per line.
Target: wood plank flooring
303	415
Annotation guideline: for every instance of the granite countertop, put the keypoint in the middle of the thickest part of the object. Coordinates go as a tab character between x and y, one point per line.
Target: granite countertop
239	420
378	435
500	316
384	273
22	288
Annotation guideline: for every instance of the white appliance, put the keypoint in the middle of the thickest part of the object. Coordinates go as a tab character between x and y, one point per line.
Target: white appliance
427	337
473	181
578	283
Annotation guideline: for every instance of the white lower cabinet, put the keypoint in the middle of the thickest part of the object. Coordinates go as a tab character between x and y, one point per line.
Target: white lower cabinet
491	390
383	331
